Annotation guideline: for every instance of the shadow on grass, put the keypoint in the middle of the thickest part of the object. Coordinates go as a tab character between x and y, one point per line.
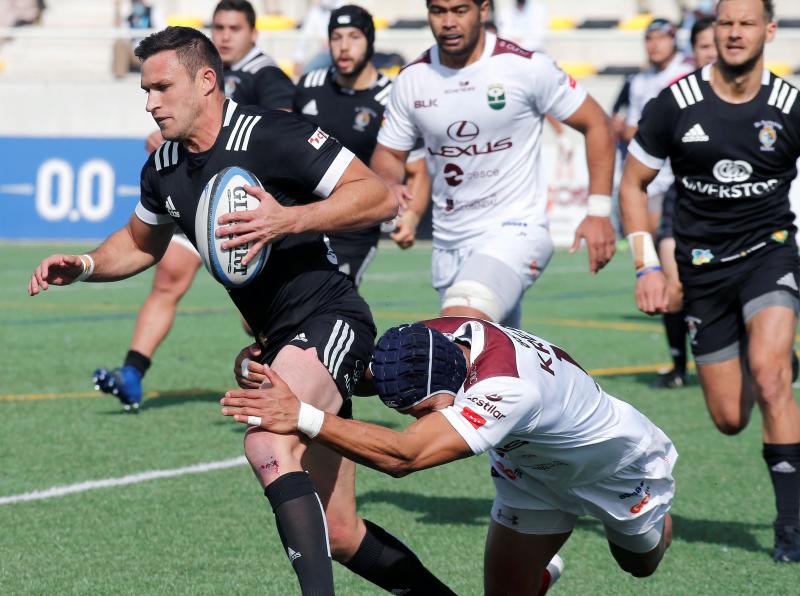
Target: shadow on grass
647	379
434	510
170	399
738	535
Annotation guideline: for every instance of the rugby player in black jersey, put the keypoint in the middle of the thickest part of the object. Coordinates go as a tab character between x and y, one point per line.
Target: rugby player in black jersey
732	133
251	78
348	100
312	325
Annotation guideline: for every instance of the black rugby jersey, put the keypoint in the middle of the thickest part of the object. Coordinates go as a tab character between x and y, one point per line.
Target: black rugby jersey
352	116
256	80
733	165
297	163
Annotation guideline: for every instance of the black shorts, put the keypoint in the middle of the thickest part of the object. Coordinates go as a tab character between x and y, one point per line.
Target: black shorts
716	313
354	259
344	346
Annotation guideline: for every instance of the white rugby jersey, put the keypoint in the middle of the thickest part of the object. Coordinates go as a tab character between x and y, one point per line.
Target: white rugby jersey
482	128
537	412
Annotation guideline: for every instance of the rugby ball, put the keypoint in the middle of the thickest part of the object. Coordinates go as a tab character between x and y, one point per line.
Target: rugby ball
223	194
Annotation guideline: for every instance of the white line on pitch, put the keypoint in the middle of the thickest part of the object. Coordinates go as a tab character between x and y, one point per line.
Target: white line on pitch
68	489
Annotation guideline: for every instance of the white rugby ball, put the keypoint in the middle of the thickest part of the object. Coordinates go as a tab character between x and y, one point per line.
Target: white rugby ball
223	194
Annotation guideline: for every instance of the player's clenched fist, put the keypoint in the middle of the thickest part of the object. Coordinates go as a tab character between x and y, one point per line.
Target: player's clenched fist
59	270
651	293
248	372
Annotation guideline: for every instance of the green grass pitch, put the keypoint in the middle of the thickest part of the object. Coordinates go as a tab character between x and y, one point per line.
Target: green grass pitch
213	533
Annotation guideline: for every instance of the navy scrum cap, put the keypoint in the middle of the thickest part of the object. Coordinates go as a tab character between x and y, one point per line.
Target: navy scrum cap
662	25
351	15
411	363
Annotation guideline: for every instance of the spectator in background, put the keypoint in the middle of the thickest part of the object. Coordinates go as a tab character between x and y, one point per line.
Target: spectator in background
142	16
311	51
17	13
525	23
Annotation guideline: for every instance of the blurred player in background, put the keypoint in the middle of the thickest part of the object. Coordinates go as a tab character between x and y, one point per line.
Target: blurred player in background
667	65
559	446
313	326
730	130
348	101
704	52
251	78
479	103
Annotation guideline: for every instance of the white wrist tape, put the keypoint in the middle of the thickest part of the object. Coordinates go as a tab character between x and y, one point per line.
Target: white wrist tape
599	206
643	250
310	419
88	267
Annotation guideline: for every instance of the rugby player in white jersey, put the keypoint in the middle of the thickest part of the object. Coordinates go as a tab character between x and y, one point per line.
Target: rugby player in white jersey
479	102
559	446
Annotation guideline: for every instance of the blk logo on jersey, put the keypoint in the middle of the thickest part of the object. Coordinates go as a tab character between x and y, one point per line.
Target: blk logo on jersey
496	94
318	139
768	134
425	103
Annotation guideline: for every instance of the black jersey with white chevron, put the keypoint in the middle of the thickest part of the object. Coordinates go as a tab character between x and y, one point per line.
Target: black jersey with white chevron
352	116
733	164
297	163
256	80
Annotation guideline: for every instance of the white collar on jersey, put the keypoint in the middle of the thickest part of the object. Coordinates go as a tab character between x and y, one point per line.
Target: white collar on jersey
254	51
474	334
230	108
706	74
488	50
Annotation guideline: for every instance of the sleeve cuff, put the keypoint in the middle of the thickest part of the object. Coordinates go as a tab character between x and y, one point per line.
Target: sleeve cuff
579	96
154	219
334	173
652	162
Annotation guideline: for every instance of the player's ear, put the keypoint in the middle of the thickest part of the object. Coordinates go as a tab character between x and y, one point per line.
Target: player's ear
772	28
208	80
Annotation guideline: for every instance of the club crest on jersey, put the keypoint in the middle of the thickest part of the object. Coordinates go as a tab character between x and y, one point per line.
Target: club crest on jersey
318	139
701	256
363	117
780	236
230	86
692	324
768	134
496	95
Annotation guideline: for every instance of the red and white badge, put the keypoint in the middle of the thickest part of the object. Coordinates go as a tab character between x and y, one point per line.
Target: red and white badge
318	139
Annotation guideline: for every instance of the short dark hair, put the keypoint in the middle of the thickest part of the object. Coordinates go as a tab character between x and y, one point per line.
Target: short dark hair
478	2
194	50
699	26
769	9
239	6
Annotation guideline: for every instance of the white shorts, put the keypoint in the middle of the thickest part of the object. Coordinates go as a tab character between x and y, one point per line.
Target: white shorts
181	239
631	504
507	260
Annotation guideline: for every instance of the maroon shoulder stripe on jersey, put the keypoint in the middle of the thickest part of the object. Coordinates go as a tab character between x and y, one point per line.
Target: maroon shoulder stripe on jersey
425	58
503	46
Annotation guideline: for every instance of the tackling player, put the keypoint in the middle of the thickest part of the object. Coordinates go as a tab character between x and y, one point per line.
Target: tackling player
348	101
559	446
731	133
251	78
479	103
312	325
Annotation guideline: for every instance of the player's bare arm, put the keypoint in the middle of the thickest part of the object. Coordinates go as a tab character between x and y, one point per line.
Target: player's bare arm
128	251
596	229
428	442
651	284
390	164
360	199
419	186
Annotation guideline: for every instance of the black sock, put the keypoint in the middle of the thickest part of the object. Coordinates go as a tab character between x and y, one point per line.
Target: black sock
387	562
783	462
675	326
303	531
138	361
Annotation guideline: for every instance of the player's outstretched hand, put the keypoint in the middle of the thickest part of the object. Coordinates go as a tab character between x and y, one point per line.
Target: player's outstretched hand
59	270
651	293
601	240
248	372
268	222
274	408
405	231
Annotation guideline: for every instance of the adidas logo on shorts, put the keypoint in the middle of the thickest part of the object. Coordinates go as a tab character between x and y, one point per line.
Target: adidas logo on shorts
696	134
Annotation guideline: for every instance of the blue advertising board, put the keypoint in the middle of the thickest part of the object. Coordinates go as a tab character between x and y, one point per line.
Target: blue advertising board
67	188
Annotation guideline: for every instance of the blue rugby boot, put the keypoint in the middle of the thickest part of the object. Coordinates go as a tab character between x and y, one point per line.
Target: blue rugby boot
124	383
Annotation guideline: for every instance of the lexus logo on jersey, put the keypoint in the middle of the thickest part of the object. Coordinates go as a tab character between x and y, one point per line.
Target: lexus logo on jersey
453	175
463	131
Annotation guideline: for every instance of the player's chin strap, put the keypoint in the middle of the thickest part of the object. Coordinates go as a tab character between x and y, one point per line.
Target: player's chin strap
643	251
